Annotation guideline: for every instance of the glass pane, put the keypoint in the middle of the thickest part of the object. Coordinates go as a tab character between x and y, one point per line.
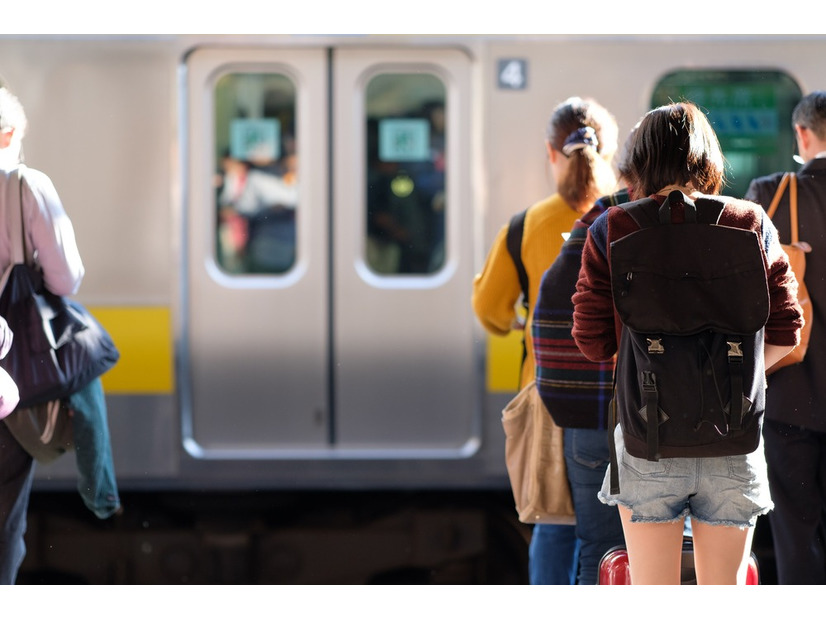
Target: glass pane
751	112
405	174
256	165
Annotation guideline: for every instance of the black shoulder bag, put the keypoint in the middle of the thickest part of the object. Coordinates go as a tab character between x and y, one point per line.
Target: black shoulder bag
58	347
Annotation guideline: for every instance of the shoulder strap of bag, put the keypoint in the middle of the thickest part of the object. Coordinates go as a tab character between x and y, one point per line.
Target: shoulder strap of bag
791	180
516	228
793	206
14	217
778	194
647	213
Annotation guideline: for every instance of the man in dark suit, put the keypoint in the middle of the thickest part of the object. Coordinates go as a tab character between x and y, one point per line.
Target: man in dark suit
795	427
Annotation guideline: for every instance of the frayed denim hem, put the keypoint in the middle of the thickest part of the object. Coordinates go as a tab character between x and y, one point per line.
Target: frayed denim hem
635	518
738	524
611	500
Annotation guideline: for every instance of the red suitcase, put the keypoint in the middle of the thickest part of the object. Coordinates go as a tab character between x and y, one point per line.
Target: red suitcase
614	569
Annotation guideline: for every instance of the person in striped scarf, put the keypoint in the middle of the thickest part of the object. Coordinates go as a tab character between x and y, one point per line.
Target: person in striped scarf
577	392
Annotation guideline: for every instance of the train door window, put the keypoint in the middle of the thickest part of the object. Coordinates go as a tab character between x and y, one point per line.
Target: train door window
405	184
750	111
256	165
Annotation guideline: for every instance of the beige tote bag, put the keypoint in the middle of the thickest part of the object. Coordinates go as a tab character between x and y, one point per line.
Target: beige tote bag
535	461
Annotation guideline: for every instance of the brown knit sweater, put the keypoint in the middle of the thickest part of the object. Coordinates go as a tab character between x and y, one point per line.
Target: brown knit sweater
597	327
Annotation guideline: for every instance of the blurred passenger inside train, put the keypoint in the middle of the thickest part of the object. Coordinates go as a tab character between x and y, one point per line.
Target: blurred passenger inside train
795	428
675	148
580	142
256	214
429	177
405	196
50	235
578	392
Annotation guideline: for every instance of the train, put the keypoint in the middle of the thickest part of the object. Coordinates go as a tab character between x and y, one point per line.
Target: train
281	232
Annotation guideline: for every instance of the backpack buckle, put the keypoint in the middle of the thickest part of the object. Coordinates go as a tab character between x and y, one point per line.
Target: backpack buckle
655	346
649	381
735	351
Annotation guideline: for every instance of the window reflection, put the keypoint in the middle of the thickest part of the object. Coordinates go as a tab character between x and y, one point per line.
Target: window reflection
405	174
257	167
749	111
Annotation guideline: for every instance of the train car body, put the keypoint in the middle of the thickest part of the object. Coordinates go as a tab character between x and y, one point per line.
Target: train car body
322	339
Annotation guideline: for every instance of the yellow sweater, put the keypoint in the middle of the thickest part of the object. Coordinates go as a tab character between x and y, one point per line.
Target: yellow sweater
496	288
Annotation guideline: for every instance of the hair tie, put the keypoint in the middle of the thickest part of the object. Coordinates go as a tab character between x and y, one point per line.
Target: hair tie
580	139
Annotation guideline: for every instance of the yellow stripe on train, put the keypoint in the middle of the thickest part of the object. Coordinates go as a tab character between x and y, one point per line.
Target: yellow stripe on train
144	338
504	359
143	335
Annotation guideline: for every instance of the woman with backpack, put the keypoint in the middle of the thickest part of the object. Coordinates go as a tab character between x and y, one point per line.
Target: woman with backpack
675	158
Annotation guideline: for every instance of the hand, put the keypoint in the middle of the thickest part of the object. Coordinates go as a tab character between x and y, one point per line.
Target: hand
6	338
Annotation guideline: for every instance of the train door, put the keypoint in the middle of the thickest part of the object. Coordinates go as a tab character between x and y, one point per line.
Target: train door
326	280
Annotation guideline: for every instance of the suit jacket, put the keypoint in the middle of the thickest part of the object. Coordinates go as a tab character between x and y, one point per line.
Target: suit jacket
796	395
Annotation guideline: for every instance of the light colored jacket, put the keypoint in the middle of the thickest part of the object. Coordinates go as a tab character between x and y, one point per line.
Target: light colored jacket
49	232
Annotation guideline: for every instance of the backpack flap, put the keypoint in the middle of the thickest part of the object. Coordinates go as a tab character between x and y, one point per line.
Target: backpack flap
689	277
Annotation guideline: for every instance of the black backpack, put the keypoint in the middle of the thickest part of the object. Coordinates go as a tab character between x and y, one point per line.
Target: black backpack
693	299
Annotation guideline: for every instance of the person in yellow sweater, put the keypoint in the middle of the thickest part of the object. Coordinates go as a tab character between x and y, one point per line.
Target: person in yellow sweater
580	141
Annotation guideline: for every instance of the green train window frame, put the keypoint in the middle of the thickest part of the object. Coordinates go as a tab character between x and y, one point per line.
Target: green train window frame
751	112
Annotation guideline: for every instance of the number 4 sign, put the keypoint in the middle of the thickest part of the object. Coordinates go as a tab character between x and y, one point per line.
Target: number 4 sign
512	73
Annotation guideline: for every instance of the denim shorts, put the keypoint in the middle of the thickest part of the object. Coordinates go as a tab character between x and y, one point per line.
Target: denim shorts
726	490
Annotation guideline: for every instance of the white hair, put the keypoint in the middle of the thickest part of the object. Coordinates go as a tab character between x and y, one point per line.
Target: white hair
12	115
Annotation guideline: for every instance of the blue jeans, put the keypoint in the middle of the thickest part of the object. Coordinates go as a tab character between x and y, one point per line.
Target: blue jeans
553	555
16	475
598	527
96	481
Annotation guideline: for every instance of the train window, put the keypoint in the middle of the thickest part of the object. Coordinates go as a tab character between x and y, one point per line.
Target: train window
750	111
256	164
405	184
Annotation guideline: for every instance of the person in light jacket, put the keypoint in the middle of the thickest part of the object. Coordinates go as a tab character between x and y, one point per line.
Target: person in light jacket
49	233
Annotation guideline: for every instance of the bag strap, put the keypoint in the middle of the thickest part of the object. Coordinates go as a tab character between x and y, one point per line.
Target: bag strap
16	218
15	222
793	206
648	213
612	443
789	179
516	228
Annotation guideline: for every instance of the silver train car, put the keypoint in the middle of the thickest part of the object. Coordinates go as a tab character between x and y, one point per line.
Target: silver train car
281	233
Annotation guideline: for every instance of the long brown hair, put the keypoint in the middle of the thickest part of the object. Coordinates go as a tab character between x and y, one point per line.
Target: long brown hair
586	134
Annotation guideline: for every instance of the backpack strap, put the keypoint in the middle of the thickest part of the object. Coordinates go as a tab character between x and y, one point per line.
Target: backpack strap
516	228
735	367
612	443
648	212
